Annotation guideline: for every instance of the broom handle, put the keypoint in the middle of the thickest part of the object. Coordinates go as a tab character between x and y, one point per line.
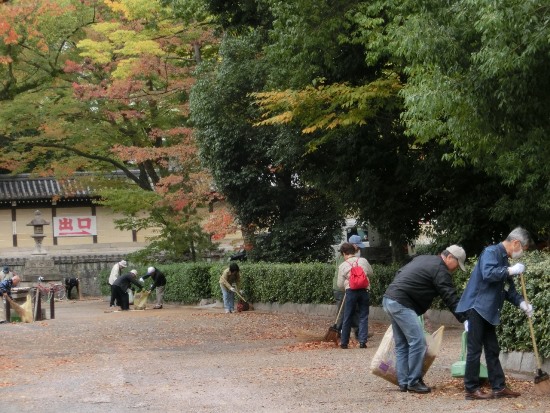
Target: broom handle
240	296
340	309
530	322
11	301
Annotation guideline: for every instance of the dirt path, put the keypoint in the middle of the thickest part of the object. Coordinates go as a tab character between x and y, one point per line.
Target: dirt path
187	359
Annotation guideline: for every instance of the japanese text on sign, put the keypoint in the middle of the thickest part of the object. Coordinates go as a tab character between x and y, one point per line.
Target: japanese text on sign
74	226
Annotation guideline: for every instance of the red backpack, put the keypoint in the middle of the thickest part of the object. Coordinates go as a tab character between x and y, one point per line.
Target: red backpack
357	278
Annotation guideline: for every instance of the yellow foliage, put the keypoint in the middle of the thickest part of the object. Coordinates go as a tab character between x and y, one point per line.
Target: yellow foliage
285	117
329	106
143	47
136	9
106	27
125	69
99	52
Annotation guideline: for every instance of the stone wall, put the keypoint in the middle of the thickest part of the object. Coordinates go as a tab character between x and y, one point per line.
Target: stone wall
85	267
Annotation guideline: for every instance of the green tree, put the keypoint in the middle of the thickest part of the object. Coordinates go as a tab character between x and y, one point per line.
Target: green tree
449	60
283	218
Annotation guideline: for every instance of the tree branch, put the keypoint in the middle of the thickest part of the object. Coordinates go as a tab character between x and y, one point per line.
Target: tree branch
115	163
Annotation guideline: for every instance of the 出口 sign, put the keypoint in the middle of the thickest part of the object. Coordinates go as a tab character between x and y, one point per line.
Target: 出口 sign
74	226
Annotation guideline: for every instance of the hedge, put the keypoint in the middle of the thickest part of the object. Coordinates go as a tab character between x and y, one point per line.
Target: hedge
312	283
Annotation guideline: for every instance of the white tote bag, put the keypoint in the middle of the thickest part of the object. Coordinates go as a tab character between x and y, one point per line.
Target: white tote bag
383	363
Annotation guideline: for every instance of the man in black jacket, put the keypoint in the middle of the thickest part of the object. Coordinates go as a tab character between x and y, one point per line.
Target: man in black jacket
159	283
121	286
410	295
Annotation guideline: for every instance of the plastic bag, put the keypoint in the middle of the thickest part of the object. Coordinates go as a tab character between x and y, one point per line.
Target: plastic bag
23	311
130	296
383	363
140	300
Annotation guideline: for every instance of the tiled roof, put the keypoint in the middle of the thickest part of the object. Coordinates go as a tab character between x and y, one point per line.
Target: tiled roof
25	187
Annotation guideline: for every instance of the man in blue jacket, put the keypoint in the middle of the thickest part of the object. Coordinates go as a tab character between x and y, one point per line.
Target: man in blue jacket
6	286
490	284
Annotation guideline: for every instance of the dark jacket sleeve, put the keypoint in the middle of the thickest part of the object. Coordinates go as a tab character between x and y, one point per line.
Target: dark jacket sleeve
135	282
444	285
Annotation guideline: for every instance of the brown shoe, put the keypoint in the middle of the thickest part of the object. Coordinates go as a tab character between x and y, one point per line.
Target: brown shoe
505	393
478	395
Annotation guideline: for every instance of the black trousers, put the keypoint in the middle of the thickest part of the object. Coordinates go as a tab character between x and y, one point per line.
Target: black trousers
482	336
113	298
121	297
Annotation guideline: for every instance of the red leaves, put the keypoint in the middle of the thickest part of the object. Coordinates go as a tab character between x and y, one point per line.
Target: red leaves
220	223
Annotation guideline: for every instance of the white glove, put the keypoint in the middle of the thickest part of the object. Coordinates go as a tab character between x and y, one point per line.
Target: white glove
241	292
141	280
466	325
516	269
233	289
527	308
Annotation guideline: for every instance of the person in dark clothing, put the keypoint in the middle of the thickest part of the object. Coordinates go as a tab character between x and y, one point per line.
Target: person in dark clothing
121	286
410	295
159	284
491	282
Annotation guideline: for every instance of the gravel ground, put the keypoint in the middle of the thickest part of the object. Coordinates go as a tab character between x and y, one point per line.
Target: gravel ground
191	359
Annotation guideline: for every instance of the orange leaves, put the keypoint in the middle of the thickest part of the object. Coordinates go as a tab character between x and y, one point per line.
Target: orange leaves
5	60
27	18
183	153
220	223
8	33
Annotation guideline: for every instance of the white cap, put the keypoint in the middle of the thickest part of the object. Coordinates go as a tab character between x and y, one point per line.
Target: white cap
150	270
459	254
134	272
123	263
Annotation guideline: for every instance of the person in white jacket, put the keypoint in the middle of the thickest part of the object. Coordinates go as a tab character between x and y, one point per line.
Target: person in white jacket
116	271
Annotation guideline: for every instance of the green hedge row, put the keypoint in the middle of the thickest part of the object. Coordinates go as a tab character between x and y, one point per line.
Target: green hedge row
261	282
312	283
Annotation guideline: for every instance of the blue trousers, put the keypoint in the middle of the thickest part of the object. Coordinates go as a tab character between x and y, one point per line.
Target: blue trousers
356	301
410	343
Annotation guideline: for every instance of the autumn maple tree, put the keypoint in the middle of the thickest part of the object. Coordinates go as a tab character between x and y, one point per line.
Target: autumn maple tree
103	86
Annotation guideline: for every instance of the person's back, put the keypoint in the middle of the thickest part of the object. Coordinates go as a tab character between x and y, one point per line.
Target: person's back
125	280
159	278
417	284
5	286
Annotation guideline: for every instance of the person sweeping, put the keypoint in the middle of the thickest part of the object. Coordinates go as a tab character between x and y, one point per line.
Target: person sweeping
491	282
159	285
230	280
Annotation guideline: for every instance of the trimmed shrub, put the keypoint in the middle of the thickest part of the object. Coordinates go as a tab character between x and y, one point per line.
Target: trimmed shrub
513	331
302	283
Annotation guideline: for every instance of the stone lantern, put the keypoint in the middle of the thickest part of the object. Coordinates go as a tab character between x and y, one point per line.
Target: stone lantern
38	234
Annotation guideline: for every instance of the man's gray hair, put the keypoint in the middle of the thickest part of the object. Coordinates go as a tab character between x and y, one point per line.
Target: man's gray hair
520	234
